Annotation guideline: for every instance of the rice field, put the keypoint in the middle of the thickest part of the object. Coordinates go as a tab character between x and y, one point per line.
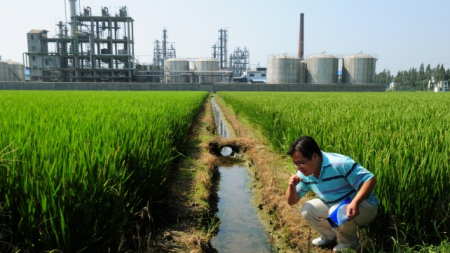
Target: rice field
403	138
76	167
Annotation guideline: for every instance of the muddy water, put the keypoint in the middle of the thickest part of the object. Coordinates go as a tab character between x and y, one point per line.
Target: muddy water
240	229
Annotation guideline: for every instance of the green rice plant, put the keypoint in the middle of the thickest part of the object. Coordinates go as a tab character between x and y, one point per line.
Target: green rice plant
89	162
403	138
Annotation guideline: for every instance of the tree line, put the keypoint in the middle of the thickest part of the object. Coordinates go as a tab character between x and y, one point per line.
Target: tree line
415	79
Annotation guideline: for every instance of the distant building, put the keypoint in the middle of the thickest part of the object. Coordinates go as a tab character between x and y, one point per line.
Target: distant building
99	48
252	76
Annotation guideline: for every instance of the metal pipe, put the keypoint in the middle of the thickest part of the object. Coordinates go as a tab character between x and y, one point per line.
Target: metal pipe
164	44
301	38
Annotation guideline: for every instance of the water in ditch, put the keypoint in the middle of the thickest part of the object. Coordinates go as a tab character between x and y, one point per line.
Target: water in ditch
240	228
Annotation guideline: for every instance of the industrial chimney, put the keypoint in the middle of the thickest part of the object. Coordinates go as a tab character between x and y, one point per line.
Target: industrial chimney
73	13
73	8
300	39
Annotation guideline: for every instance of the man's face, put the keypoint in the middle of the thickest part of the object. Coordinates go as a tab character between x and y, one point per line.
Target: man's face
305	165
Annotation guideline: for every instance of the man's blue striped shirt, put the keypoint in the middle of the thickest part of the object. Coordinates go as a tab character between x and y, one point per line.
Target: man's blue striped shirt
340	177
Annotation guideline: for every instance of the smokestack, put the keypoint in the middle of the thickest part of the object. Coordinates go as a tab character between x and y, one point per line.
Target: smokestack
300	39
73	13
73	8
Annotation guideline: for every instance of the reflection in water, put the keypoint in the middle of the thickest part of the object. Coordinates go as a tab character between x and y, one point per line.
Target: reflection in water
240	229
221	127
226	151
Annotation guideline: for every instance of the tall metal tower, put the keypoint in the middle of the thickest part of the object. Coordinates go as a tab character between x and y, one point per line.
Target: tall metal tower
239	61
220	49
163	50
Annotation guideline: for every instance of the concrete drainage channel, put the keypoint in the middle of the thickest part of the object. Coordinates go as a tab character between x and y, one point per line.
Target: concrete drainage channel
240	229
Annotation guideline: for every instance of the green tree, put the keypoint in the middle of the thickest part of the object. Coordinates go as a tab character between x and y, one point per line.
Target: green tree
428	72
422	82
384	77
412	79
440	73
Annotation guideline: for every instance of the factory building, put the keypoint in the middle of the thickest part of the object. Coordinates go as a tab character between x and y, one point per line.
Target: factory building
97	48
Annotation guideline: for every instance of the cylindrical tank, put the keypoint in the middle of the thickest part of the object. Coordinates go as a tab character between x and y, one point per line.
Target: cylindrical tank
207	70
283	69
141	67
156	74
359	68
175	70
11	71
322	68
141	73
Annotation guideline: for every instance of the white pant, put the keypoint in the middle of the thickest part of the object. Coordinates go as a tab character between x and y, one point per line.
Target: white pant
315	212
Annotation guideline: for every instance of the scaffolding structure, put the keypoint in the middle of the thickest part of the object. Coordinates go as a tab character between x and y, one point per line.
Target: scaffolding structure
220	49
163	50
98	49
239	61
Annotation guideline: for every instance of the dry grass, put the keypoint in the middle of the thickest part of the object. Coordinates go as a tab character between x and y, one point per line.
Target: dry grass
190	194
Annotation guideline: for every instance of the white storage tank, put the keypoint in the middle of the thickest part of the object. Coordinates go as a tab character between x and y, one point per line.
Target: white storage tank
322	68
207	70
283	69
359	68
176	70
11	71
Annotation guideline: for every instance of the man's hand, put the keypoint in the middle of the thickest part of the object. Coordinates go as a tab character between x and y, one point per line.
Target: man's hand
364	192
294	180
291	193
352	210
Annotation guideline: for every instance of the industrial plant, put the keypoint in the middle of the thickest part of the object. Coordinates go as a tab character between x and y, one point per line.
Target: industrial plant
100	48
95	47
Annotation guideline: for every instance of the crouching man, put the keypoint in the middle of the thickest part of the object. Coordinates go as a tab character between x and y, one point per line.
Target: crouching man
333	178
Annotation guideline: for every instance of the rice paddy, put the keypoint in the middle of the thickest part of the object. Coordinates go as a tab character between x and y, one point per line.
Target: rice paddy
403	138
79	165
76	167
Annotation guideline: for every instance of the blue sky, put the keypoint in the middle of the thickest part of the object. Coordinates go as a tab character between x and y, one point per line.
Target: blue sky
402	34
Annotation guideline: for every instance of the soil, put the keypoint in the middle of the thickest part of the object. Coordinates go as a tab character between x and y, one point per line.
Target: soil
193	198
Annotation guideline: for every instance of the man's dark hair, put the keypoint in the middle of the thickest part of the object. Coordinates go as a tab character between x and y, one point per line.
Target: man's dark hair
306	145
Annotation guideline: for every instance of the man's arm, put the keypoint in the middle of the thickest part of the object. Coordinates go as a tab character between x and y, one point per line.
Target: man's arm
291	193
364	192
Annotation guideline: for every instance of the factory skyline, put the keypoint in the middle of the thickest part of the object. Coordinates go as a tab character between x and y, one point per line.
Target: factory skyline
402	34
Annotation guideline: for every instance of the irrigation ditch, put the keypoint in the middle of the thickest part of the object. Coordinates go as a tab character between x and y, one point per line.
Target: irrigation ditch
228	194
240	229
